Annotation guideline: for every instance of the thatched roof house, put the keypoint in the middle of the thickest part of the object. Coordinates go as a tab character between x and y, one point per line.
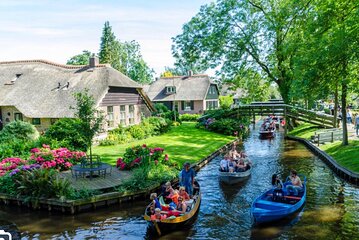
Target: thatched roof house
190	94
39	89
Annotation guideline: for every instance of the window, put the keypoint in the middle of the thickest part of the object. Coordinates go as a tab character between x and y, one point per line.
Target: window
36	121
131	114
110	122
123	115
170	89
187	105
18	117
212	89
211	105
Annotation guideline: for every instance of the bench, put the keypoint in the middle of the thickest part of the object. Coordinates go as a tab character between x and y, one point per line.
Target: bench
89	170
274	204
288	197
327	135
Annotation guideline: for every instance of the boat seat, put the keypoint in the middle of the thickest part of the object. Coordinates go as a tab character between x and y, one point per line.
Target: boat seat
276	204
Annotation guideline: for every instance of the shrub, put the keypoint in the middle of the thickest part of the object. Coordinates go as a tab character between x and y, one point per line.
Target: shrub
160	108
68	132
225	102
160	125
228	126
136	132
7	185
189	117
171	115
19	130
15	147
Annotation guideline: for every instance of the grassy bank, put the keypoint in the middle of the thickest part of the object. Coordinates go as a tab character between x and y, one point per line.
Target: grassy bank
182	143
346	156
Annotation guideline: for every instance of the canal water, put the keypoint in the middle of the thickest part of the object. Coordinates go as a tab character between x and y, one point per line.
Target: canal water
331	210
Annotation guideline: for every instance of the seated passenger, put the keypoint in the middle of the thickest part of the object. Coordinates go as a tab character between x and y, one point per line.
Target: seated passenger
181	206
174	196
296	183
241	166
158	216
166	189
183	193
278	188
224	164
155	202
231	165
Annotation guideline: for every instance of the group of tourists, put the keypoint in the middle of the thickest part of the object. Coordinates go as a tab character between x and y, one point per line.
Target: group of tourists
234	161
294	188
268	124
174	202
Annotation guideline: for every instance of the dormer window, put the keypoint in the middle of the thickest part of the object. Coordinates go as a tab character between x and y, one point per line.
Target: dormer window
170	89
12	82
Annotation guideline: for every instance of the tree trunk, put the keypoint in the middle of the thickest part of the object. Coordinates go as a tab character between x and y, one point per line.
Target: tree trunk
336	101
344	113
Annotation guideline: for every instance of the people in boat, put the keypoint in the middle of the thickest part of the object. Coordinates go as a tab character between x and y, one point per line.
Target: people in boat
187	178
241	166
183	194
173	197
224	164
158	216
167	189
231	165
233	152
181	206
296	182
155	202
276	182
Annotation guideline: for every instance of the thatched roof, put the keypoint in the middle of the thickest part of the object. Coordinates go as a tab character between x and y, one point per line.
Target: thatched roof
187	88
32	86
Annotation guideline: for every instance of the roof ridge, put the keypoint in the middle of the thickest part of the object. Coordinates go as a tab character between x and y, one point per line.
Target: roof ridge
52	63
194	75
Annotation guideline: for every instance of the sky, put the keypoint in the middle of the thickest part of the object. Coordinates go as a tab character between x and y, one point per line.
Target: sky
57	30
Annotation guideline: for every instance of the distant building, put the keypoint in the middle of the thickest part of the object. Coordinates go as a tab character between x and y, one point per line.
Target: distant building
41	92
237	94
188	94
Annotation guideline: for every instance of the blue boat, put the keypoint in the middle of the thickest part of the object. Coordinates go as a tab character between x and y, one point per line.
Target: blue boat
268	208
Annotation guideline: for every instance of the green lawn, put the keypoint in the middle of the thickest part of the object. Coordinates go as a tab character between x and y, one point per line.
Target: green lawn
183	143
347	156
304	130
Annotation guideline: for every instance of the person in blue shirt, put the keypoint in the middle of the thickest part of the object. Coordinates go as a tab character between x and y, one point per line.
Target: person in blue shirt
187	178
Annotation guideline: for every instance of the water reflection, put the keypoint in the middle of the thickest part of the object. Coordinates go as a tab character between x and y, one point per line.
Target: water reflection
331	210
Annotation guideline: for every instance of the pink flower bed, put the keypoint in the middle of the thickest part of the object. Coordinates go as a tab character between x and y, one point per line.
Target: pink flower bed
60	159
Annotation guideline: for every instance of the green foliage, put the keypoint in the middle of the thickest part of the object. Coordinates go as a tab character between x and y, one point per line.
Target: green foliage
19	130
148	127
66	132
228	126
90	118
42	183
126	57
171	115
189	117
80	59
7	185
160	108
225	102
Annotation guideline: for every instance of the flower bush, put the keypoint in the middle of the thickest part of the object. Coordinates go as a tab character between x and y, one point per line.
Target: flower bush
140	155
9	164
61	158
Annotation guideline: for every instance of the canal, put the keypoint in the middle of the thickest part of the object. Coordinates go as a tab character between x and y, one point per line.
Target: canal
331	210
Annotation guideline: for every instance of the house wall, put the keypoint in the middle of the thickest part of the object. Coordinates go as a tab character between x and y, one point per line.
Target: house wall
8	115
198	107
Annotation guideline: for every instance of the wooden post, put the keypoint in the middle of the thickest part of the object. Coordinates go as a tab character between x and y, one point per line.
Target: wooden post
332	136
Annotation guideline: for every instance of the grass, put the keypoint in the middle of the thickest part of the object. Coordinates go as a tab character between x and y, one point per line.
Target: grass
183	143
304	130
346	156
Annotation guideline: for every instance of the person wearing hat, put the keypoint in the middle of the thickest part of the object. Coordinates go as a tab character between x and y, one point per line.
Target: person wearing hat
187	178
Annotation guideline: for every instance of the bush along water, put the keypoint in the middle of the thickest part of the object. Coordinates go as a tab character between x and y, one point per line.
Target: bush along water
149	165
222	121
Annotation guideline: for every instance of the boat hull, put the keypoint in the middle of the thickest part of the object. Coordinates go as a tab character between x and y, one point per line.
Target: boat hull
233	178
264	210
267	134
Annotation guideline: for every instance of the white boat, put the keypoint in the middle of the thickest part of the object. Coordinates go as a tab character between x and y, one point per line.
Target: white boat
234	177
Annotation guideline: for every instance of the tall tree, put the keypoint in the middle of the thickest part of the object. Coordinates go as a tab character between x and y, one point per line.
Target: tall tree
109	47
249	34
80	59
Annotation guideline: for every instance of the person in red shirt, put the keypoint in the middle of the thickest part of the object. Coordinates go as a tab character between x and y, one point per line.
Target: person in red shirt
158	216
183	193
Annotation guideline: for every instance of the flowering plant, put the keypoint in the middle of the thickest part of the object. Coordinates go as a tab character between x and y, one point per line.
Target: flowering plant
140	155
8	164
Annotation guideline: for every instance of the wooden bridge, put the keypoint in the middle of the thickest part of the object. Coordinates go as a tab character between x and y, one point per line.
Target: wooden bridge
285	110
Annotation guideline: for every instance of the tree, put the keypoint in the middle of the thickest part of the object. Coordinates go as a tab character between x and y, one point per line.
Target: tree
109	47
90	118
80	59
225	102
248	35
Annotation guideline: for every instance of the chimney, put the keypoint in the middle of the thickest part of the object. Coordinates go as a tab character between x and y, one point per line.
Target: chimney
190	73
94	61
